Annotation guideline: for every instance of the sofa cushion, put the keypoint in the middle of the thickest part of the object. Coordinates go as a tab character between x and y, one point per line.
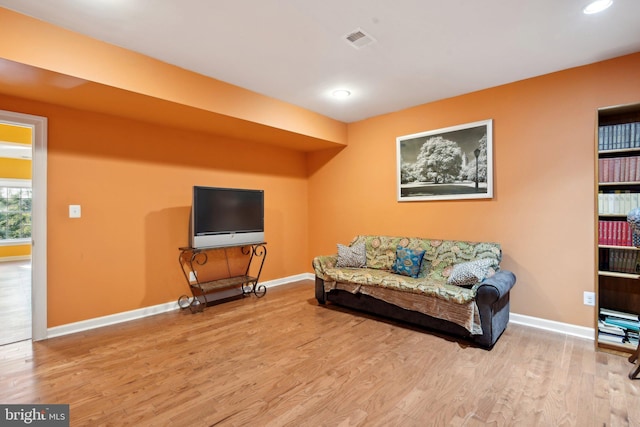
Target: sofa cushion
381	250
408	261
440	255
351	256
447	253
387	279
471	272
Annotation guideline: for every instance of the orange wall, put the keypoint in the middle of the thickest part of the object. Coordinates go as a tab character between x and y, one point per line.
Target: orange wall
133	178
543	211
45	46
133	181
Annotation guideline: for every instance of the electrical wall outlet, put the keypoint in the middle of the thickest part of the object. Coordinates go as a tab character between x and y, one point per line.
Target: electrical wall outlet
589	298
75	211
192	276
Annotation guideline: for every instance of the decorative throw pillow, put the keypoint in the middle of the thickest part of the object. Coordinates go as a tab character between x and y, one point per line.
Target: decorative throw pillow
408	261
351	256
472	272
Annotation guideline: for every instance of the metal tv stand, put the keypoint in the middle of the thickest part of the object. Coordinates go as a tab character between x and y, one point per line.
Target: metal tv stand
193	262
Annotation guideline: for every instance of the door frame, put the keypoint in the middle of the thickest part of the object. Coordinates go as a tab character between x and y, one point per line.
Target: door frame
38	127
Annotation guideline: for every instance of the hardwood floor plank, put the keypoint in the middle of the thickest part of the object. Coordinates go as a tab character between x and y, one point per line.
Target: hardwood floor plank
617	386
586	408
283	360
15	301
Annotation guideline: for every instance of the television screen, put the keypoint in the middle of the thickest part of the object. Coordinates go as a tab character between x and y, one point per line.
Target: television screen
226	216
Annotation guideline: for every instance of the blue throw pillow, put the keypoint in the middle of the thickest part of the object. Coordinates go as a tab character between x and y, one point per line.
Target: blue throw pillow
408	261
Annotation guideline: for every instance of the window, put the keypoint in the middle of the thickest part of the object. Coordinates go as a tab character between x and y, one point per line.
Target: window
15	213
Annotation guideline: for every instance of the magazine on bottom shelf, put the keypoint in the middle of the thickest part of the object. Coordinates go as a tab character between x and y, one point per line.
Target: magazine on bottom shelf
618	327
621	343
611	329
620	314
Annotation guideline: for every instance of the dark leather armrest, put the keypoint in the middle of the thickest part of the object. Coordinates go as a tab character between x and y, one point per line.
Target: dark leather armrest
495	287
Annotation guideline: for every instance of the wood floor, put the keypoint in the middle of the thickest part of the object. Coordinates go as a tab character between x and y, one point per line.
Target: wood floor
285	361
15	301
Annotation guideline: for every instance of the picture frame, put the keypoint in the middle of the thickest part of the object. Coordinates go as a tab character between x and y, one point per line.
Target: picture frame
446	164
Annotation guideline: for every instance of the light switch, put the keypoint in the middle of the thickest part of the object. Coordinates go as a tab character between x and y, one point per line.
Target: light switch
74	211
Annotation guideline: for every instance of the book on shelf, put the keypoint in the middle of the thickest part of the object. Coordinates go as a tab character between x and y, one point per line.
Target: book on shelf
619	314
619	169
611	329
629	325
623	261
613	339
619	136
617	202
614	233
612	321
604	338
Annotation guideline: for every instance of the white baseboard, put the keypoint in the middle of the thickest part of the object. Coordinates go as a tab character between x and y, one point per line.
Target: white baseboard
290	279
126	316
98	322
553	326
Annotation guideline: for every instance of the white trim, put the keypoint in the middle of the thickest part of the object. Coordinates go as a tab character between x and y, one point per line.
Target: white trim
38	126
287	280
553	326
15	182
112	319
98	322
39	228
15	258
15	242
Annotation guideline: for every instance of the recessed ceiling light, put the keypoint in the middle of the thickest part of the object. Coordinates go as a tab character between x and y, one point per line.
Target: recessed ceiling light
341	93
597	6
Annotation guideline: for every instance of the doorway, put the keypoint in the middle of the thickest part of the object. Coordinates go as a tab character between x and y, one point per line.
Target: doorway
15	300
32	274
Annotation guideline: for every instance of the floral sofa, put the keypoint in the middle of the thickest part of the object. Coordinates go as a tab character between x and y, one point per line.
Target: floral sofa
449	286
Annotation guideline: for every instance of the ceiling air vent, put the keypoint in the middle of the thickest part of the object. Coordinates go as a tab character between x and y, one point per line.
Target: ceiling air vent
358	38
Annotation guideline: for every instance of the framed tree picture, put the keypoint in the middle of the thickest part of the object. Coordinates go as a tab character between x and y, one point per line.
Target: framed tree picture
446	164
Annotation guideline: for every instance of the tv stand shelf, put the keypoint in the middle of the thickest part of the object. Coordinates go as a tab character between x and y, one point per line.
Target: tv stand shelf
193	261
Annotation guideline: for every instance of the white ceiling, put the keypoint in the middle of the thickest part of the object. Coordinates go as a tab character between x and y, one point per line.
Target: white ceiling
295	50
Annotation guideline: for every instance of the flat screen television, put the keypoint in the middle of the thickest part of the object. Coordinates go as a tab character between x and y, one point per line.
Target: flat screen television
226	217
